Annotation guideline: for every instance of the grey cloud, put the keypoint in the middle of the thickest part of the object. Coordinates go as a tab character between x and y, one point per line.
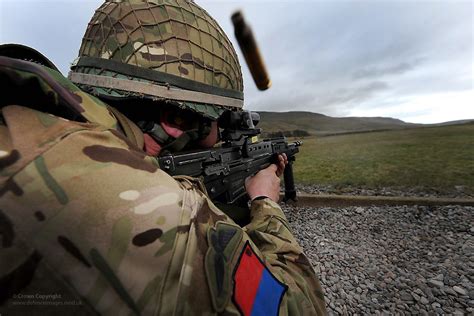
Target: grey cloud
341	56
323	56
357	93
376	72
337	101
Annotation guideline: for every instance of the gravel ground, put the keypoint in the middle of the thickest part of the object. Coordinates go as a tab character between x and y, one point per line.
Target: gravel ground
391	260
458	191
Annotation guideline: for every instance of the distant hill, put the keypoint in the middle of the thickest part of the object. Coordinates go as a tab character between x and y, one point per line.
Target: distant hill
458	122
319	124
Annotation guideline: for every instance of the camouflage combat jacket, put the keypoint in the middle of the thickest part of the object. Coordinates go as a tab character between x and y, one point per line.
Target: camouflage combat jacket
89	223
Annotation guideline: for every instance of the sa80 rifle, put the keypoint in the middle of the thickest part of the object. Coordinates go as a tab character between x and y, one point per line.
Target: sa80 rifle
223	169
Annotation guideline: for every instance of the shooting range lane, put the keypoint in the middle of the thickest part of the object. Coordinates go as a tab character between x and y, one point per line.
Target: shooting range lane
390	259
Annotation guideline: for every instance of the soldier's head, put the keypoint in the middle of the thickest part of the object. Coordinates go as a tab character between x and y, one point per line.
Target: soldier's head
166	64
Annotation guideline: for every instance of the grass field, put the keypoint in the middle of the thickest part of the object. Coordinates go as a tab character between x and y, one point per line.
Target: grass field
435	157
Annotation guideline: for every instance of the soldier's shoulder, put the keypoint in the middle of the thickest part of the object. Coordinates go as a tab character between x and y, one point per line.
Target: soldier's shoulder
31	80
39	107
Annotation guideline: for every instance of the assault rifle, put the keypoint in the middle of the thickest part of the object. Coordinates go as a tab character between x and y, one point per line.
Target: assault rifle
223	169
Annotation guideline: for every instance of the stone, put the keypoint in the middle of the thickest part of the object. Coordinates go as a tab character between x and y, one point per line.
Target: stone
419	292
435	283
436	292
359	210
439	277
400	306
424	300
406	296
459	290
371	286
450	291
415	296
428	293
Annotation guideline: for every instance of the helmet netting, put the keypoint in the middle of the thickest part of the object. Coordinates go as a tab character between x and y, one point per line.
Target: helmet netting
175	37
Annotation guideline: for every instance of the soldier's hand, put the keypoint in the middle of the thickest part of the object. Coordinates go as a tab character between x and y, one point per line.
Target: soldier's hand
282	162
267	181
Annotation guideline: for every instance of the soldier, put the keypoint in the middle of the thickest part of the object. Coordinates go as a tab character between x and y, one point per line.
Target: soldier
85	212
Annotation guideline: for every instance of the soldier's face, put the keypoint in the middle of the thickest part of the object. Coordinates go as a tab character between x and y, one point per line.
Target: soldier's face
178	121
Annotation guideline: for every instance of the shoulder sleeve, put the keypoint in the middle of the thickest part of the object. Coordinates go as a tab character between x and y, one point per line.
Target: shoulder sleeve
101	218
270	232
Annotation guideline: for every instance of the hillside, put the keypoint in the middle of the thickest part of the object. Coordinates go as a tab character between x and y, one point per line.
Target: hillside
319	124
436	157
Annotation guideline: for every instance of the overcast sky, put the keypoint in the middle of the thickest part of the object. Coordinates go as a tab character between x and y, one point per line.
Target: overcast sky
411	60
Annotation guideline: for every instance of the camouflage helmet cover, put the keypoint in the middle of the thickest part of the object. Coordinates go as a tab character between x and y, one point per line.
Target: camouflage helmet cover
161	49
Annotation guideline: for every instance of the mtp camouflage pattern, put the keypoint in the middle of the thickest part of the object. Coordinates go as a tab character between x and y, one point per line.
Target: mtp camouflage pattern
88	218
173	38
86	215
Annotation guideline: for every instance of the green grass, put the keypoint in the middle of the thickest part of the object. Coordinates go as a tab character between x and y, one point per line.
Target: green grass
435	157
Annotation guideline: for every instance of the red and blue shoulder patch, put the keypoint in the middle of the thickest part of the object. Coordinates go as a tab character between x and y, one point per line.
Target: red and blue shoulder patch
256	290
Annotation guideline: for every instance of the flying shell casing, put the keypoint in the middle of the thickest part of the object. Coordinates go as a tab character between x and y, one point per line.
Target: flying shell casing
250	50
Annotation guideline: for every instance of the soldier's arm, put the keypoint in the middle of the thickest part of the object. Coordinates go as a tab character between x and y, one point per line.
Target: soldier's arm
270	232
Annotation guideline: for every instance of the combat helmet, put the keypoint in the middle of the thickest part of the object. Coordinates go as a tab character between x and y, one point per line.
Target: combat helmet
172	51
